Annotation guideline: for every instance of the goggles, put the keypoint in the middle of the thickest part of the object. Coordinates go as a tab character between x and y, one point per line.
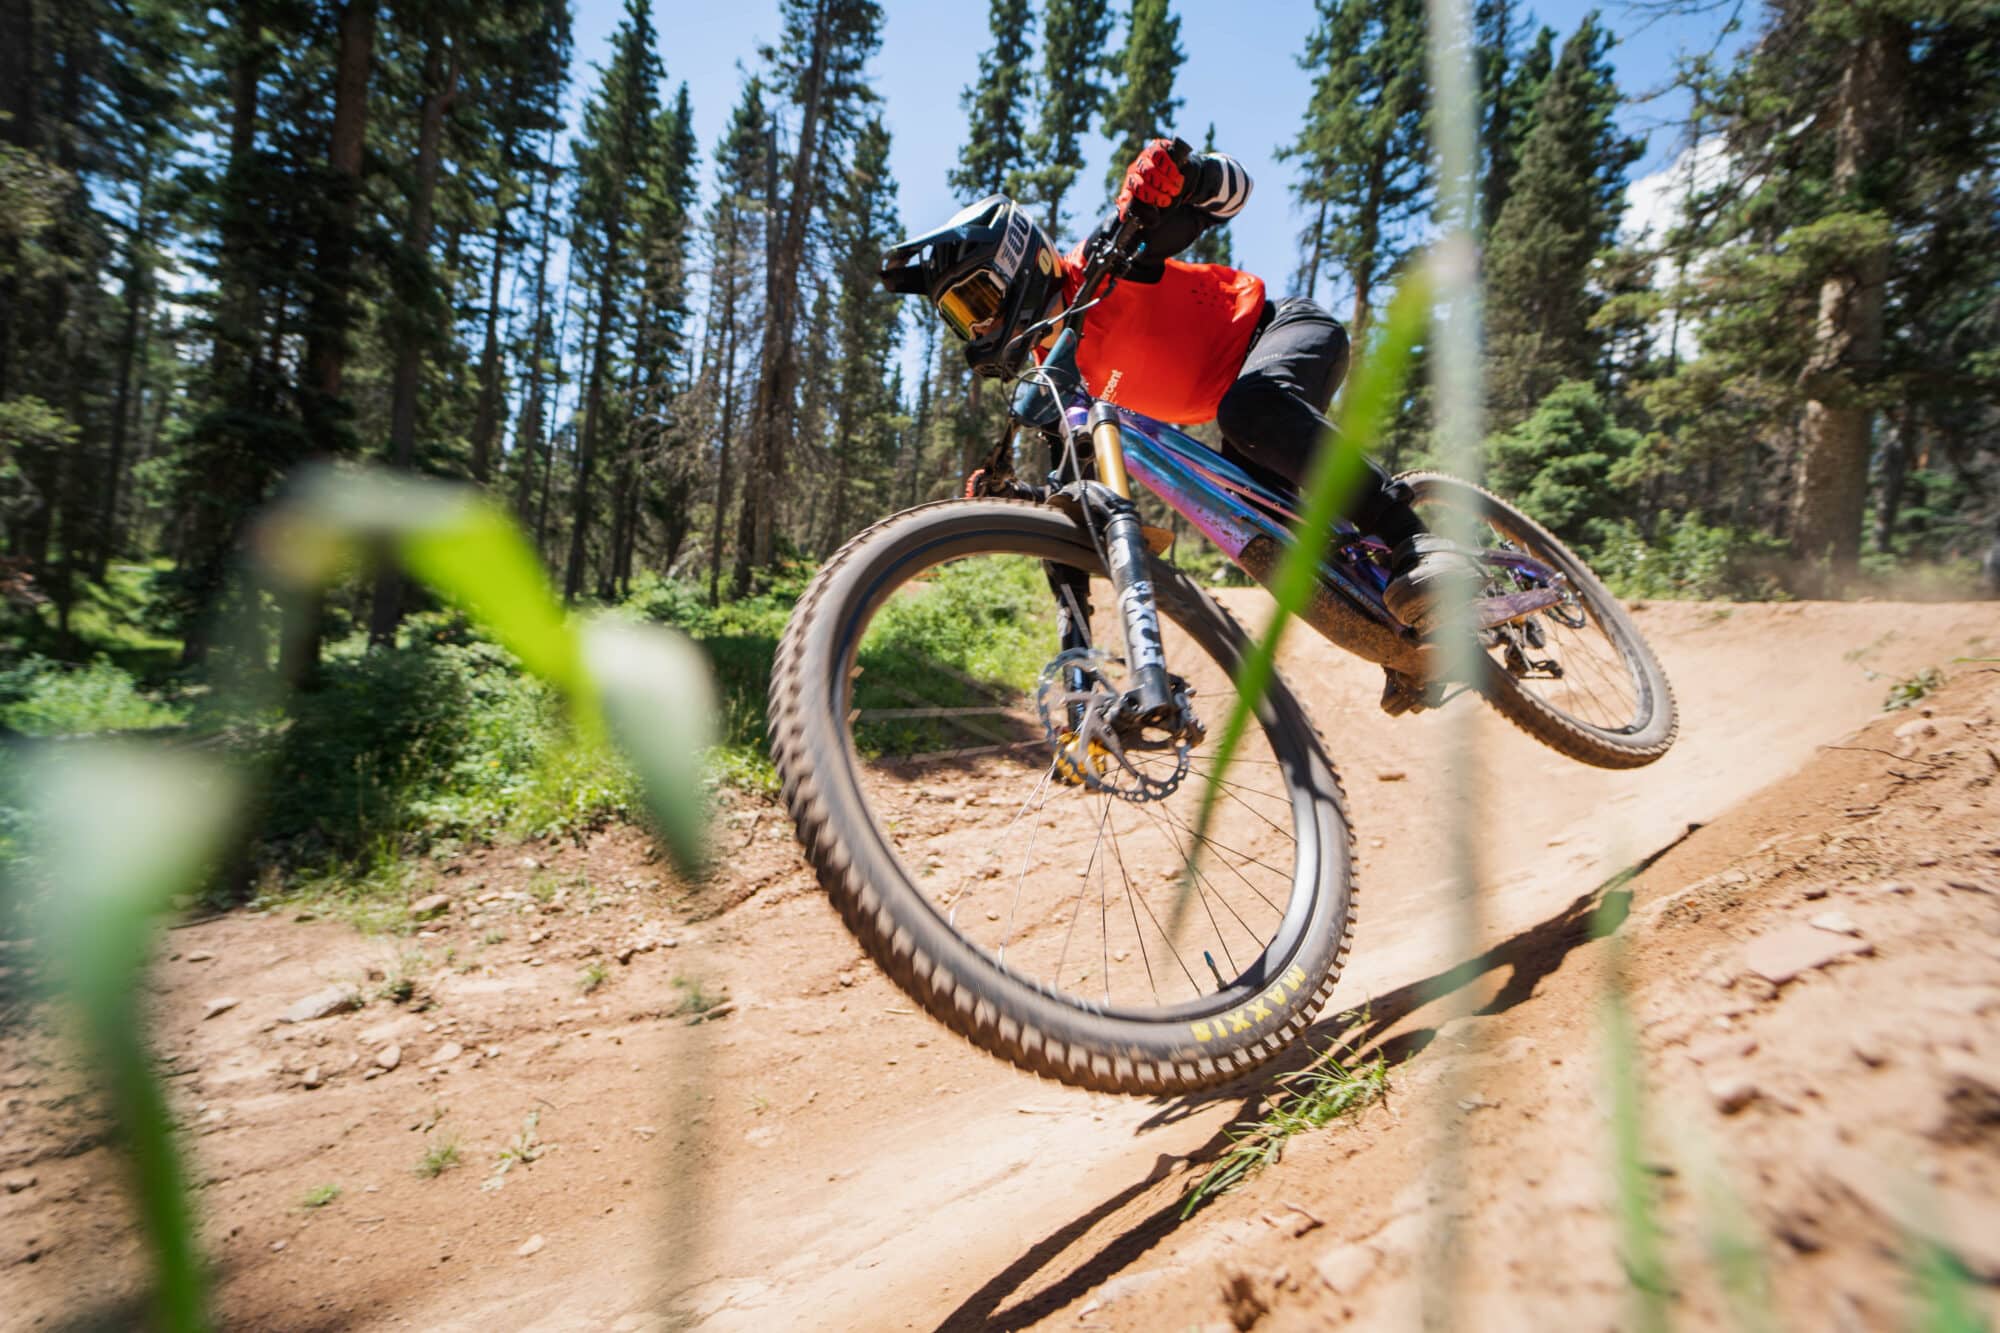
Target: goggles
971	304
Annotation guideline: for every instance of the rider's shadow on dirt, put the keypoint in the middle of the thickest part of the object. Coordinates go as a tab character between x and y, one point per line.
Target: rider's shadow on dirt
1528	957
1362	1034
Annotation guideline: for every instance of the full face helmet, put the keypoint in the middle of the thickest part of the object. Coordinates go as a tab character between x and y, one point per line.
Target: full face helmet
990	271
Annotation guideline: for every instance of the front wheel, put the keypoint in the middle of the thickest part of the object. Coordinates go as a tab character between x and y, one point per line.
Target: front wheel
1578	676
1051	918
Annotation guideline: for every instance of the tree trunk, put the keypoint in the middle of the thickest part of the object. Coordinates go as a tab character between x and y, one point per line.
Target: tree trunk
1311	283
1362	270
486	418
137	277
722	477
593	412
333	311
770	416
1830	485
528	435
1895	471
440	91
219	490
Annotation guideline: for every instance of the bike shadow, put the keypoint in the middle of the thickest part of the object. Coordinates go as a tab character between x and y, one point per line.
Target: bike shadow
1529	957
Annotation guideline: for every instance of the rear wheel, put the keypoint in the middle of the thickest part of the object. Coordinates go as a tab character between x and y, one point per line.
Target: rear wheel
1051	919
1579	677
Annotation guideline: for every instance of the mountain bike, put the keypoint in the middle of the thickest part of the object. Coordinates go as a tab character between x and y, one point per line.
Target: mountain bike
991	719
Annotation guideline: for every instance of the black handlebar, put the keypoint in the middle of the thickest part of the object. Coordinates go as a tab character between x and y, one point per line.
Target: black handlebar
1114	255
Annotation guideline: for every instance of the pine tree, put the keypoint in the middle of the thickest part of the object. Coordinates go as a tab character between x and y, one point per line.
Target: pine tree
1562	211
614	156
1838	275
1364	150
995	153
1509	83
1074	33
736	225
862	224
820	64
1143	106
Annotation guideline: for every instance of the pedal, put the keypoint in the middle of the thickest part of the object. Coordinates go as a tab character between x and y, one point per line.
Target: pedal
1400	693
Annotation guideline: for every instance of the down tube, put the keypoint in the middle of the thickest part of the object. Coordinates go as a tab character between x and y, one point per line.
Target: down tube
1171	480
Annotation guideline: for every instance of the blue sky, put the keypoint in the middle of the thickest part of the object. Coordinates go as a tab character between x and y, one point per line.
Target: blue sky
1241	73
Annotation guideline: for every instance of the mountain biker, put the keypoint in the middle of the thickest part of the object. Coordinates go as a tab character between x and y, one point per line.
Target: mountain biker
1177	341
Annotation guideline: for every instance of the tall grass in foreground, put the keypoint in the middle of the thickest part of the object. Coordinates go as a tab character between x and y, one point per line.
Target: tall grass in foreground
642	688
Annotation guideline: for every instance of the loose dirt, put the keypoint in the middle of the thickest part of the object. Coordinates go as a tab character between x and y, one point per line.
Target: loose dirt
672	1102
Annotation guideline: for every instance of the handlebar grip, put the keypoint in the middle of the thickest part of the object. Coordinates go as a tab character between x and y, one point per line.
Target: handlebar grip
1128	232
1181	151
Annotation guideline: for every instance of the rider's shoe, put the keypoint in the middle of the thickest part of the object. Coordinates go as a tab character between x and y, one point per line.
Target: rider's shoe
1429	575
1400	693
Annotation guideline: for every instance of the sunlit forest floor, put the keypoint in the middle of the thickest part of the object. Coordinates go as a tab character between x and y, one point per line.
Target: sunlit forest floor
575	1091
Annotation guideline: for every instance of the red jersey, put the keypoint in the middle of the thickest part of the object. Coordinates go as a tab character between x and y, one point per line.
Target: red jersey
1171	348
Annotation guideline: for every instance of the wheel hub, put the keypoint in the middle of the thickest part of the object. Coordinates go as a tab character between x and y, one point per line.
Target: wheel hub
1097	741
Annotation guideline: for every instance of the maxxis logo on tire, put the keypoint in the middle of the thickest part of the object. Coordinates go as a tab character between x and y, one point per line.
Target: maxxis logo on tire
1244	1017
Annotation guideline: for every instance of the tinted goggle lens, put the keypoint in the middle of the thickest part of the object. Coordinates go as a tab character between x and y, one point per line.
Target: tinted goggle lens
971	303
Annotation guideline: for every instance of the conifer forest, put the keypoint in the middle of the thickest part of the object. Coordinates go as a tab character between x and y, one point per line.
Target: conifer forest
241	236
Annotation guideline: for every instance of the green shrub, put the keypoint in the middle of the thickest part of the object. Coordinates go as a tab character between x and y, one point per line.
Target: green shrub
443	736
43	698
1561	465
1688	559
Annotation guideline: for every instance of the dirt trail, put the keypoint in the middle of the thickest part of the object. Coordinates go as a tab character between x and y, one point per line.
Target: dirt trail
821	1156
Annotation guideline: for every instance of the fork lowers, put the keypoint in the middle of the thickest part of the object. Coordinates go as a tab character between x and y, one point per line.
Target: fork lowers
1125	554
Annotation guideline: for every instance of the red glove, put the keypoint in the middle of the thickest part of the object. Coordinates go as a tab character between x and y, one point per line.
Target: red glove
1153	180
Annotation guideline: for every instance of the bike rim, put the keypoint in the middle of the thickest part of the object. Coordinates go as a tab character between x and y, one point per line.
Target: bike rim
1603	687
1073	892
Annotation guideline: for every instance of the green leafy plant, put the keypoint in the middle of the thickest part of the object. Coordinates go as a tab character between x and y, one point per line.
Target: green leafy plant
521	1151
1313	1097
694	998
591	978
439	1157
1912	690
43	698
319	1196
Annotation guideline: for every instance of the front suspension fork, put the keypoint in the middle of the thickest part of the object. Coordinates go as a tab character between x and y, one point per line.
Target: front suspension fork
1124	542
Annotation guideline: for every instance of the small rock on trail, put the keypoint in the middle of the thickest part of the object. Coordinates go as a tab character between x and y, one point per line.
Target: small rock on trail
531	1246
389	1057
444	1054
423	909
1732	1093
1788	951
322	1004
221	1004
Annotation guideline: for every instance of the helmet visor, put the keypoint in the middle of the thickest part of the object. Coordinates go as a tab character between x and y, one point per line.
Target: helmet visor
971	304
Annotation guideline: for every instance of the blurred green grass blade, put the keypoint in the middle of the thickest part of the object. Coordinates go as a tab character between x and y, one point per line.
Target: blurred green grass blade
1365	409
106	885
459	543
481	563
659	706
1638	1214
1947	1296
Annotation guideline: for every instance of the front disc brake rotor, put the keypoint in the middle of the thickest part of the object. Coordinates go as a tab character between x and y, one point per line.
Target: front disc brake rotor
1091	749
